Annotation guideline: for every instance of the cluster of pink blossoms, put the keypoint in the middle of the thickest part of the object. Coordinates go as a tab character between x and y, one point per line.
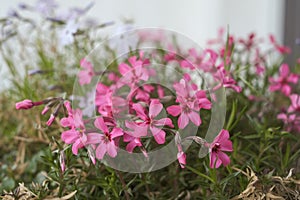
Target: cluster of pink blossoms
291	117
285	83
146	110
131	108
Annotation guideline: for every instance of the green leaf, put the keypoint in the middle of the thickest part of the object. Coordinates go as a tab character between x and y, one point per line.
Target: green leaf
232	115
200	174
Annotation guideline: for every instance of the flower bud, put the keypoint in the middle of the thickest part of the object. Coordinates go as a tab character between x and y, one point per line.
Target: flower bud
181	159
62	161
25	104
45	110
51	119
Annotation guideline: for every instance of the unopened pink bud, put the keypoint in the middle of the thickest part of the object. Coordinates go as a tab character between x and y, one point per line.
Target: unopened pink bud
25	104
62	161
51	119
45	110
181	159
67	105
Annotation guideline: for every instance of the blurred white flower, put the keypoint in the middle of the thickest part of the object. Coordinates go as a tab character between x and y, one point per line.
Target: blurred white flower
125	41
66	36
46	7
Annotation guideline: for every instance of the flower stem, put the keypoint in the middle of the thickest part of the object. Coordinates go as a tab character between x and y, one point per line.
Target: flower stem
123	185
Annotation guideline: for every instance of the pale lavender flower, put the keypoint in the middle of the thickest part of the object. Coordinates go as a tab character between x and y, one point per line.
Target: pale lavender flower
125	41
46	7
67	34
13	13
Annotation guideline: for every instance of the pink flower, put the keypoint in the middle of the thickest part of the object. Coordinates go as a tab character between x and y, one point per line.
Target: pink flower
291	121
195	57
190	102
85	76
105	141
141	93
27	104
134	73
76	135
209	60
133	142
204	61
259	61
186	113
136	130
225	80
108	104
259	69
280	48
170	54
249	42
219	39
221	143
283	81
295	103
74	119
149	121
202	100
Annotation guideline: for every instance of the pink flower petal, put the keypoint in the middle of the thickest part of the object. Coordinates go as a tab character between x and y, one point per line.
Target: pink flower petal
284	70
214	161
159	135
140	111
222	136
164	122
77	145
155	108
124	68
102	89
224	158
195	118
174	110
133	61
111	149
69	136
293	78
99	123
77	116
85	64
274	87
66	122
204	103
283	117
94	138
101	150
295	101
160	91
286	90
138	130
226	146
183	120
131	145
116	132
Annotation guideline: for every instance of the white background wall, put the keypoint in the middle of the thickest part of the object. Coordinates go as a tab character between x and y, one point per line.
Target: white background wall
198	19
